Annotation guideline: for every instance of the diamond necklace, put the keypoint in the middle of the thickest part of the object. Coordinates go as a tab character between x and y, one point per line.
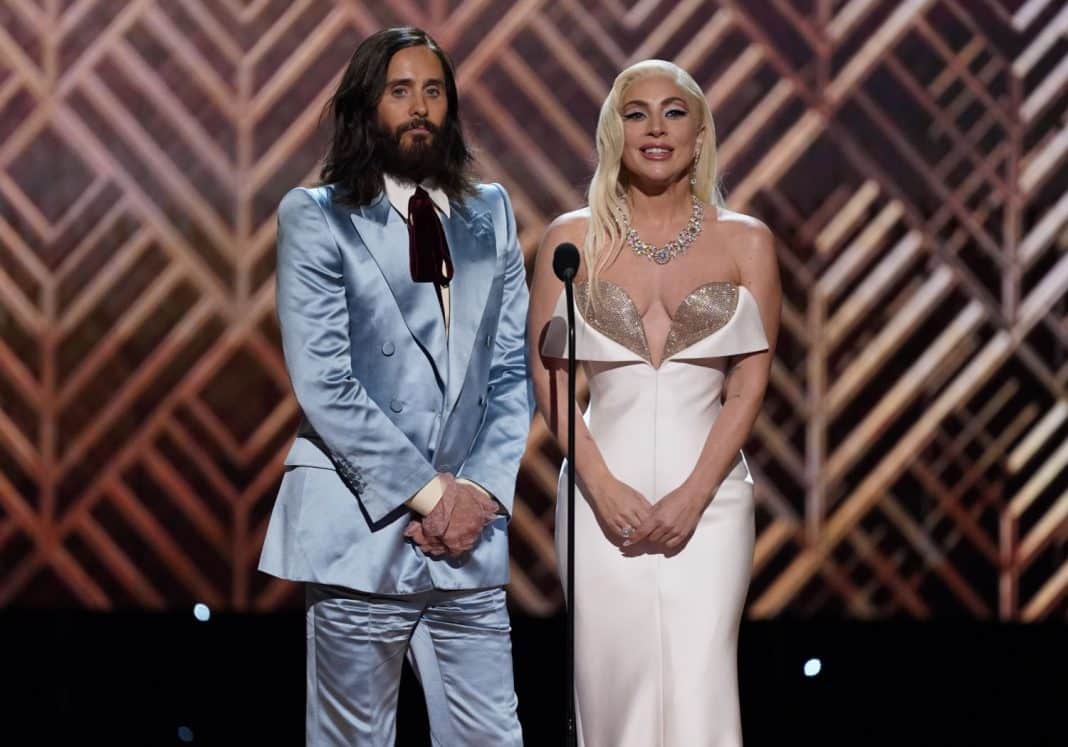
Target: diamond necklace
674	248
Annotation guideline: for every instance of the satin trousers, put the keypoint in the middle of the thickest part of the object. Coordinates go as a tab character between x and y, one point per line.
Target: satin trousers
458	643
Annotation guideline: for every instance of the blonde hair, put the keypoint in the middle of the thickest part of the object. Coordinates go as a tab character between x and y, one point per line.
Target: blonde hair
607	196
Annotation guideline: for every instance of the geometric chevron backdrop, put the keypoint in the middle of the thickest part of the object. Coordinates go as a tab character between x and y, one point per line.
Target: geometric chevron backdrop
910	157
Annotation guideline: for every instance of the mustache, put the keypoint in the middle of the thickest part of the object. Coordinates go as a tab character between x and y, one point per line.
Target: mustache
417	123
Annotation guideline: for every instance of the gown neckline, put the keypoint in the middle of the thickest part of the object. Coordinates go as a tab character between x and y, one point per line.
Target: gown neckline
688	324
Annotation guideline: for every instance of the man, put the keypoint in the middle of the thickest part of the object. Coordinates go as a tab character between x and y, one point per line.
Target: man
402	301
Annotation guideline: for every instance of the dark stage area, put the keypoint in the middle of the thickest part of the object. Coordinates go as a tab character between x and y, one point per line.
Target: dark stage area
161	679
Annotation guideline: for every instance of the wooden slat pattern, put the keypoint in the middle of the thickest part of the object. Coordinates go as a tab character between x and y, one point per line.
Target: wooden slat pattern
910	156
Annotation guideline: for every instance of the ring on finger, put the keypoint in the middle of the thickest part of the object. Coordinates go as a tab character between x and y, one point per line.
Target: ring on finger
626	531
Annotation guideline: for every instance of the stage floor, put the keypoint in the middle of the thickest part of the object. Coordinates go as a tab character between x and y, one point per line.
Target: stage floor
137	678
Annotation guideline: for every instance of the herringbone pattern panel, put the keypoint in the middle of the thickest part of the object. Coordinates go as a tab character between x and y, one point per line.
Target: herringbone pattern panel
912	458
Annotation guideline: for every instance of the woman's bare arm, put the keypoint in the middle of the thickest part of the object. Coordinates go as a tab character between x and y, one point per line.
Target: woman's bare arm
616	504
747	378
550	374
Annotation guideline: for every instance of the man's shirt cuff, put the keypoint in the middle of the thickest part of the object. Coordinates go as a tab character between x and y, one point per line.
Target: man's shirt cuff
427	497
423	502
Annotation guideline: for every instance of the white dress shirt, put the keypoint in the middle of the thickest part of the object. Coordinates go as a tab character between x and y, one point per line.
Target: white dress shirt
399	193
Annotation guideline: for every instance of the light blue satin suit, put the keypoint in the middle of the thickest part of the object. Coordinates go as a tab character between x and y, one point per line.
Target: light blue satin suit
388	401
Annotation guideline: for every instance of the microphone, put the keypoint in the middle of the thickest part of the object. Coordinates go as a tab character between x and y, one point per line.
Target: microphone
566	261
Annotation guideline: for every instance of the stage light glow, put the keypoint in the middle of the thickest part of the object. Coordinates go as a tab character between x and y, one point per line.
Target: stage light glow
201	612
813	667
185	734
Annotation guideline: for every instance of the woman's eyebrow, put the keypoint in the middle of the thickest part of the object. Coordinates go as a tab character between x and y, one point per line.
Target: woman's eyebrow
665	102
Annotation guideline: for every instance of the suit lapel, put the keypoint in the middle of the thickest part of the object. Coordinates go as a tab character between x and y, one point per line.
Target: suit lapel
474	255
385	236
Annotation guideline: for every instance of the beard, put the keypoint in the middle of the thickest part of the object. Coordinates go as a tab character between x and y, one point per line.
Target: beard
424	158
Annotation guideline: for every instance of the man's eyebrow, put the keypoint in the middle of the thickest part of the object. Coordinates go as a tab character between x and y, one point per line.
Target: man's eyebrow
411	82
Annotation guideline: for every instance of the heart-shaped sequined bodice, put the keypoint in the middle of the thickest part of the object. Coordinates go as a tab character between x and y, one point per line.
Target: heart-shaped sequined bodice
703	312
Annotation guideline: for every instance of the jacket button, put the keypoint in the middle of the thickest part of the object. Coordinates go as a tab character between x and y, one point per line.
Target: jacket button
481	400
396	405
387	348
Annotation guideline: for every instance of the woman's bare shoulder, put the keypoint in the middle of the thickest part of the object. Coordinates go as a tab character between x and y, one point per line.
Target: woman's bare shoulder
570	226
567	227
744	232
749	241
742	225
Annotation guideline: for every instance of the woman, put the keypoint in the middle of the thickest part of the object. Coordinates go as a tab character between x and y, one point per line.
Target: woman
676	303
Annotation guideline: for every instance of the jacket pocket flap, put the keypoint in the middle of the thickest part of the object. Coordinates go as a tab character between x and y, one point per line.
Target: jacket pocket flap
305	453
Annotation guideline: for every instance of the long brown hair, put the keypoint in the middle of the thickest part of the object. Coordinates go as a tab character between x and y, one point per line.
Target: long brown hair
351	162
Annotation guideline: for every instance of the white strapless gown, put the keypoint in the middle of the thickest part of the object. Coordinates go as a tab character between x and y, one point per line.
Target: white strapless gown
656	637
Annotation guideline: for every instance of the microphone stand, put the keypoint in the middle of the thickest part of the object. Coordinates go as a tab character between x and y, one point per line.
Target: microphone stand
572	731
566	259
